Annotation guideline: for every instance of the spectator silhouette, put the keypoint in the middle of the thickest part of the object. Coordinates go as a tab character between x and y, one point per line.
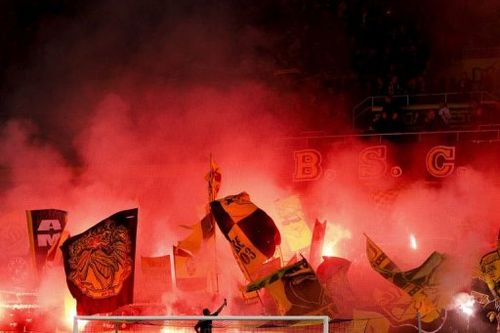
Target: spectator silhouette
395	123
205	326
380	123
429	121
477	116
444	116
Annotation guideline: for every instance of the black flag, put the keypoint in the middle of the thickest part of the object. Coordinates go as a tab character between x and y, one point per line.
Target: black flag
99	264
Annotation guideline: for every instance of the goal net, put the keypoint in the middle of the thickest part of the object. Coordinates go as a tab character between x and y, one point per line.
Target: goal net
186	324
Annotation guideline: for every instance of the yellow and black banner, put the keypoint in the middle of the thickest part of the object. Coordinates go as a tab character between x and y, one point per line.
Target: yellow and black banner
297	291
420	283
490	269
486	283
251	232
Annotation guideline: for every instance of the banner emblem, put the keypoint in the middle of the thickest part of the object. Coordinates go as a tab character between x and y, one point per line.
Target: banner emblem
101	260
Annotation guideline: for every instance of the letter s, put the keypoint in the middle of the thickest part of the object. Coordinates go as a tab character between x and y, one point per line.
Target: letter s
372	162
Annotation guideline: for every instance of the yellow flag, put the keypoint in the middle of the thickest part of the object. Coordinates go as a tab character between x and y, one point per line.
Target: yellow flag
490	269
420	283
367	322
190	271
291	217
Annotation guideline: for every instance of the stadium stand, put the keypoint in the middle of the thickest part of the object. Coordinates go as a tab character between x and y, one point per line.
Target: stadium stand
469	110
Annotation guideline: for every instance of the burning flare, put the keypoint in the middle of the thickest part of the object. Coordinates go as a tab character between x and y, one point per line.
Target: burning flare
413	242
465	303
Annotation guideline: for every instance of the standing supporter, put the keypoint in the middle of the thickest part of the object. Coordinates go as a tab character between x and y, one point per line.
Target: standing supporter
444	115
477	116
429	122
380	122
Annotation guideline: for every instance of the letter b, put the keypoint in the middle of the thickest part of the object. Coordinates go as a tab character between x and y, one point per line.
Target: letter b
307	165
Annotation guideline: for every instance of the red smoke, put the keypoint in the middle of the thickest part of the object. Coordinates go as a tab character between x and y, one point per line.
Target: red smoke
143	134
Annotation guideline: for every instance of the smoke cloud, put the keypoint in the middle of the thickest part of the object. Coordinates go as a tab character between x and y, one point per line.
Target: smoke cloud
120	105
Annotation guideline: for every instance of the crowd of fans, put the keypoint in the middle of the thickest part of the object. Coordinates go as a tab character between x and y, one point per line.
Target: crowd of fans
390	118
344	51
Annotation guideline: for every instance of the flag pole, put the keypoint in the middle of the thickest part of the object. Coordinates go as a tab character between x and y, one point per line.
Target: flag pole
249	278
281	255
211	197
419	322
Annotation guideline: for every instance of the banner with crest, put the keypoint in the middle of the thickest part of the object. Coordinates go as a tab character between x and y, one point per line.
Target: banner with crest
99	264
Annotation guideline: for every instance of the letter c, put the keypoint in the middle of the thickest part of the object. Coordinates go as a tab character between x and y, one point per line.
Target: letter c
440	161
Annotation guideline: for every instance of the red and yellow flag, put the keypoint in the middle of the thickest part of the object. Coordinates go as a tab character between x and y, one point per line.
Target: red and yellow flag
190	270
157	276
318	238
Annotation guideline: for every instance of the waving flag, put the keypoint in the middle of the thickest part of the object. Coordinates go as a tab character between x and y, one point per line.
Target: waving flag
318	238
379	260
400	309
332	273
157	276
99	264
486	284
200	232
213	178
293	224
193	261
190	270
297	291
490	269
251	232
420	283
45	228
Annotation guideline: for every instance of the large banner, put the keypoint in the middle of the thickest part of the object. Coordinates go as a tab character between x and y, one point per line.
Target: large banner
45	226
190	270
251	232
421	283
297	291
296	232
99	264
157	276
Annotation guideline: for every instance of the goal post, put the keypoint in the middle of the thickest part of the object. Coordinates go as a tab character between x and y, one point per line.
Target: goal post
183	324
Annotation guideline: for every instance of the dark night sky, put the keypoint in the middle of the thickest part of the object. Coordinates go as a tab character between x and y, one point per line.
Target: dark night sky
59	57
